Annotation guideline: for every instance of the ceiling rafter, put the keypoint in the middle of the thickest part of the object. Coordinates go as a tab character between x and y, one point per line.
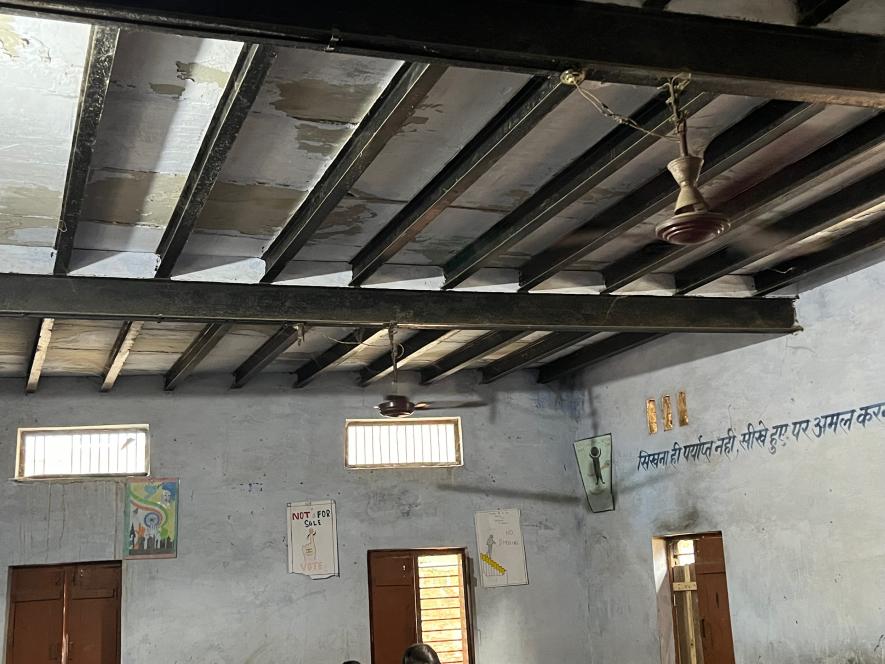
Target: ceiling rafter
278	343
93	91
411	349
126	337
852	245
613	151
340	351
199	348
523	112
592	354
786	62
846	203
791	181
474	350
759	128
531	353
850	201
814	12
191	301
391	110
38	354
239	94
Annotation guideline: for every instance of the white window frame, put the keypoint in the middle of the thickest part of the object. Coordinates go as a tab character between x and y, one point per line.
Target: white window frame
459	451
20	460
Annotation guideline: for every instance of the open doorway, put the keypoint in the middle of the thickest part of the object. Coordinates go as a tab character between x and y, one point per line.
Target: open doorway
60	614
419	595
701	621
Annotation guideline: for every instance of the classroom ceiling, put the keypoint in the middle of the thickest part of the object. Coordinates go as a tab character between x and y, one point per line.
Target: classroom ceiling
220	161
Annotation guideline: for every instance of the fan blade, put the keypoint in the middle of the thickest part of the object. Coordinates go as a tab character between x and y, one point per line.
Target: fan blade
758	240
441	405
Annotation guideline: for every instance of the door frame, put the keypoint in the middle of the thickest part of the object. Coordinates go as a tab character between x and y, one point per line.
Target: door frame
467	574
10	570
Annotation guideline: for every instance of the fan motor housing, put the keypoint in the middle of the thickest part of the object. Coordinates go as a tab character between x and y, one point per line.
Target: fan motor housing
396	406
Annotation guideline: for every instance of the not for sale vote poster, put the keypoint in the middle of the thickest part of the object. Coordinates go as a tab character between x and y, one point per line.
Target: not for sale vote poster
313	539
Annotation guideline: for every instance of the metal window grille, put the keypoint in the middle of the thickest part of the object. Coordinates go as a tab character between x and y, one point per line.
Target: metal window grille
403	444
443	614
71	452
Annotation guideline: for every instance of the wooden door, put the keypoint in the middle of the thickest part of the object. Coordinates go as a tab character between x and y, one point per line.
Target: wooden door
65	614
393	613
716	637
36	615
94	614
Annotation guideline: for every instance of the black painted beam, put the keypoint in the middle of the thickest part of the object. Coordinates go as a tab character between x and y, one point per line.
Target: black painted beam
38	354
93	91
745	137
848	246
155	299
387	116
527	108
338	352
613	43
531	353
613	151
199	348
275	346
411	349
467	354
813	12
851	200
588	355
655	4
239	94
129	332
791	181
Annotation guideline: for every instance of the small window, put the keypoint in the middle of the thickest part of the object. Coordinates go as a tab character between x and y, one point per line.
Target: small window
403	444
71	452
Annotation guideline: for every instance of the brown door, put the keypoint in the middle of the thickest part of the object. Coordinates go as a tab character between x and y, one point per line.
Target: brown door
716	637
65	614
393	612
36	614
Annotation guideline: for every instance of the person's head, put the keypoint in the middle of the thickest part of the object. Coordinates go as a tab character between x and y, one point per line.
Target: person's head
420	653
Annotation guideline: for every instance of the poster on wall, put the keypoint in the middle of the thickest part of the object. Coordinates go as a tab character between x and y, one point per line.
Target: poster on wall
313	539
594	457
151	518
501	549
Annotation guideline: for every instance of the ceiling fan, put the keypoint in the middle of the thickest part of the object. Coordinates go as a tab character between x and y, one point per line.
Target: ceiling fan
398	405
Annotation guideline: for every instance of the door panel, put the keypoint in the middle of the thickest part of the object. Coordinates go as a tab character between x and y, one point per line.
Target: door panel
716	637
392	601
92	625
394	625
36	633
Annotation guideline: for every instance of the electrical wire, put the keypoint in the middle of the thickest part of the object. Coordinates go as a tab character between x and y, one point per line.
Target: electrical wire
674	87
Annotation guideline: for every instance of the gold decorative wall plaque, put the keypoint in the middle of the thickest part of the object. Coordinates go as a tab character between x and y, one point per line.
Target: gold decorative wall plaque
667	407
651	414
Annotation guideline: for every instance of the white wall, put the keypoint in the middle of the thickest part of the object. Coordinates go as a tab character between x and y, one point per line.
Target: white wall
803	528
227	597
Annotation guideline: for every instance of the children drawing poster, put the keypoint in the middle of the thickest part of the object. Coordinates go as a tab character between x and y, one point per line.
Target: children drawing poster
501	549
313	539
151	518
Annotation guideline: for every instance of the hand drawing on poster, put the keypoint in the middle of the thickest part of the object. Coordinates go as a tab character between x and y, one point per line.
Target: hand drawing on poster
313	539
151	518
595	466
502	551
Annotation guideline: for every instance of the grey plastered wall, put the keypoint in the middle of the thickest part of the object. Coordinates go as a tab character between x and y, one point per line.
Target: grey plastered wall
243	455
803	528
